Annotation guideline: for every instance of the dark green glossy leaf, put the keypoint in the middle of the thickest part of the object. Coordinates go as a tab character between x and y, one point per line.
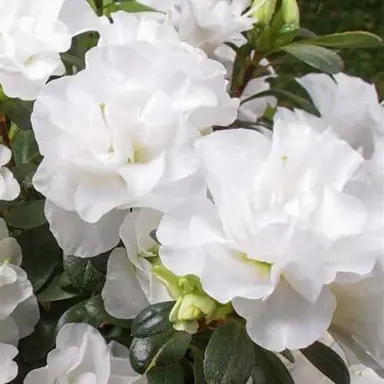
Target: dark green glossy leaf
81	313
201	339
327	361
317	57
152	320
91	311
198	367
169	375
268	368
160	350
84	277
55	292
353	39
229	356
26	215
115	333
41	254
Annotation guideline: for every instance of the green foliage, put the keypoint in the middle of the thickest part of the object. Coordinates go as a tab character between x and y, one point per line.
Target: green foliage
329	16
229	356
152	320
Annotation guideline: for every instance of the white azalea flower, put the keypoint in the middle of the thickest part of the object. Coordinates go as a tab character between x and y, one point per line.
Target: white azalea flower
82	356
347	104
8	368
9	187
206	24
32	35
130	286
126	138
281	229
19	311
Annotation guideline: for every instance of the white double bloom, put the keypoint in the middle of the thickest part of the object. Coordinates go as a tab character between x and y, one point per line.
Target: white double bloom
126	137
288	221
19	311
32	34
82	356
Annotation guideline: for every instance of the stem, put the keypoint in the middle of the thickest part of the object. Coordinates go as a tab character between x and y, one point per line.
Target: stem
6	140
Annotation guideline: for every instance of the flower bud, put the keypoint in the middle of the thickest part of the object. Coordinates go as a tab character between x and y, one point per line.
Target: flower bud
291	13
263	11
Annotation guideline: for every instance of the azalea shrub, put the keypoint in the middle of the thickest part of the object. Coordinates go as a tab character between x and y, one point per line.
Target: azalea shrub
179	207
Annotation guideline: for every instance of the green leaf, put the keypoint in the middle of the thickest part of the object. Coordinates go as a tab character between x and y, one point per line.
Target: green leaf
229	356
25	148
160	350
127	6
268	368
18	111
169	375
26	215
91	311
84	277
198	367
41	254
115	333
318	57
152	320
328	362
353	39
296	100
55	292
84	312
24	173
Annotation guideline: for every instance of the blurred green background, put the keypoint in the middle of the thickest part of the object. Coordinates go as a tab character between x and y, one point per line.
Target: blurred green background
329	16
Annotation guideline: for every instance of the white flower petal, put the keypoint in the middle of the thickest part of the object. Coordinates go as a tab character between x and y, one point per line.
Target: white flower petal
78	16
122	293
8	368
82	239
285	319
9	333
10	250
26	315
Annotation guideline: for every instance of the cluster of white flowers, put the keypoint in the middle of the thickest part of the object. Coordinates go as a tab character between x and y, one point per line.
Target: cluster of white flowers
19	311
284	228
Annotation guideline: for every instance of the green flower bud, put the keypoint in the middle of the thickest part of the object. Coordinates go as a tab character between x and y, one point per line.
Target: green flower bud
263	11
186	326
291	13
192	306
